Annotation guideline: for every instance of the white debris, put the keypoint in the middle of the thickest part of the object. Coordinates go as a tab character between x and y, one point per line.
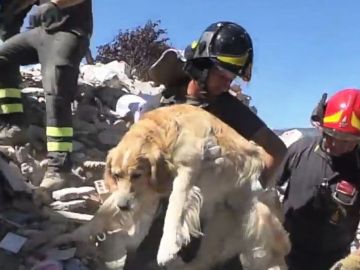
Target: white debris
291	136
12	242
68	206
72	193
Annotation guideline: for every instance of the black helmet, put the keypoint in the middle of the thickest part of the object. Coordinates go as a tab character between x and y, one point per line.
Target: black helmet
225	44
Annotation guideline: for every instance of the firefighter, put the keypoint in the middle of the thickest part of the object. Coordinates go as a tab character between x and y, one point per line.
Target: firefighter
58	41
321	201
223	52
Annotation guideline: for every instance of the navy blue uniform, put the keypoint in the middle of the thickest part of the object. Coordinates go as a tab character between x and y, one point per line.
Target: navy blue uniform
321	204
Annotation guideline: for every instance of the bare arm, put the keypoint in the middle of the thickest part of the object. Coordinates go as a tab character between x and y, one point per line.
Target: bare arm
273	153
66	3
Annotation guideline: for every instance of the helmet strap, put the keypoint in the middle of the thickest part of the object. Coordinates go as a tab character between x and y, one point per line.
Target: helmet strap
199	75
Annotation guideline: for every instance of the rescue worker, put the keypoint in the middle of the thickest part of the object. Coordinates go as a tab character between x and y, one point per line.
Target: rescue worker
223	52
321	200
12	15
58	41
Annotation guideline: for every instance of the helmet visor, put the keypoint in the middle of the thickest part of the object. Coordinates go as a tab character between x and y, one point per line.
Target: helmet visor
244	72
226	73
341	135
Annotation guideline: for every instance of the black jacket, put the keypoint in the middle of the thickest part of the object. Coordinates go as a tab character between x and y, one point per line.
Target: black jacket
316	221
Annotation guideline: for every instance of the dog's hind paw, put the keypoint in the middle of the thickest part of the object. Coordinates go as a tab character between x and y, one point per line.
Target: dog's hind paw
167	251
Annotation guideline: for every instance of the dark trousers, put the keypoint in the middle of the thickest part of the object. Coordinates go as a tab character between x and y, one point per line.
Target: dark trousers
59	54
9	27
145	257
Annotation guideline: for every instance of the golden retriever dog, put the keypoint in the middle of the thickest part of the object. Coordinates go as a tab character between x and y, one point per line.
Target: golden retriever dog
162	155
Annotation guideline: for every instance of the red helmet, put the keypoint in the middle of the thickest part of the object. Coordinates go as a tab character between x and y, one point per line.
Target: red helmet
342	115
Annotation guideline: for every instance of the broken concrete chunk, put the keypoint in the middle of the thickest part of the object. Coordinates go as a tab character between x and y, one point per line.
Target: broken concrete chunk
101	187
68	206
13	176
72	193
12	242
76	217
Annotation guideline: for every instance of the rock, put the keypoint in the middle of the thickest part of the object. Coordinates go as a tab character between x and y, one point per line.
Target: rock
13	176
68	206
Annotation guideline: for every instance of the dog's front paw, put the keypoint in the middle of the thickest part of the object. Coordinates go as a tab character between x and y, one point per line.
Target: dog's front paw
167	250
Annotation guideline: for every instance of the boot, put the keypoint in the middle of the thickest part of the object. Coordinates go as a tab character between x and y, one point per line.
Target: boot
52	180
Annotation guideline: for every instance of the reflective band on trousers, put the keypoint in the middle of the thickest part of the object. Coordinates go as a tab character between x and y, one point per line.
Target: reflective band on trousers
59	131
59	146
11	108
10	93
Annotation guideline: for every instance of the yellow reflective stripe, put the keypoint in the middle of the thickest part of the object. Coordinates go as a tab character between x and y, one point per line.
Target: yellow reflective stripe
10	92
11	108
194	44
238	61
59	146
334	118
355	121
59	131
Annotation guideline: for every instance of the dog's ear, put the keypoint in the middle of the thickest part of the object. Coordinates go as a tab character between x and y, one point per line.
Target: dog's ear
161	172
109	181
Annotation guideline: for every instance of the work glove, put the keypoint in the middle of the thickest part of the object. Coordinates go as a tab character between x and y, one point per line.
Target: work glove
211	154
48	13
351	262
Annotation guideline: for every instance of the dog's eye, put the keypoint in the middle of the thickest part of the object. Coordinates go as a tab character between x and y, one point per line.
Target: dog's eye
116	176
135	176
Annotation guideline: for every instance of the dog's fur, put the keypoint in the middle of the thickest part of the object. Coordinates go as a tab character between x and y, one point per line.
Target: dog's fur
162	155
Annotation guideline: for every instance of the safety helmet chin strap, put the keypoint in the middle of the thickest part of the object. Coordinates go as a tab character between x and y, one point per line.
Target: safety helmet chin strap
199	75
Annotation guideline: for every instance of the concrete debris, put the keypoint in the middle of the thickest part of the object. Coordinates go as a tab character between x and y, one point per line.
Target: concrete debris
76	217
72	193
68	206
98	127
12	242
94	164
291	136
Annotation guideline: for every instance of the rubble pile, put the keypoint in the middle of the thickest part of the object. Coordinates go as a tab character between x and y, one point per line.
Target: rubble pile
98	125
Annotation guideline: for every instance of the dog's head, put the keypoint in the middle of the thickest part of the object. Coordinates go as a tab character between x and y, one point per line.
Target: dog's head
139	173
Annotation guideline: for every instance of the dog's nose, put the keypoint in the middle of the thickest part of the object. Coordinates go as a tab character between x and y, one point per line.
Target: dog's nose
125	203
125	207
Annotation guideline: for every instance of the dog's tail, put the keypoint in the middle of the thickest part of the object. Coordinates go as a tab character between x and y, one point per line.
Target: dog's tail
267	233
